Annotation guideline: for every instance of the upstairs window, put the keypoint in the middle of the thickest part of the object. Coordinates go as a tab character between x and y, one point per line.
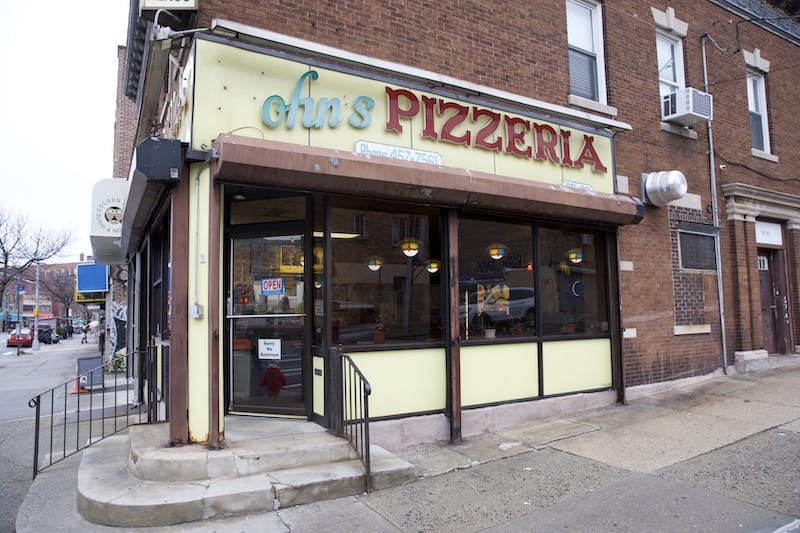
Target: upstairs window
757	108
757	70
670	33
586	62
670	64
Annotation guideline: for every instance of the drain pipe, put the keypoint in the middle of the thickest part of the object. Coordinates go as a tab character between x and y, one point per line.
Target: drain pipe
714	211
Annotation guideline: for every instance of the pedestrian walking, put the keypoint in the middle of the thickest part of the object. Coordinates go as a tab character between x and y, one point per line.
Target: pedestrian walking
84	331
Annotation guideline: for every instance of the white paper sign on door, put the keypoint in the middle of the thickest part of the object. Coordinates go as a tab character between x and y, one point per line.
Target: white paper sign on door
269	348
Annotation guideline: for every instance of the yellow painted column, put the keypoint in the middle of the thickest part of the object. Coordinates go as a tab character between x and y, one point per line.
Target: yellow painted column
198	348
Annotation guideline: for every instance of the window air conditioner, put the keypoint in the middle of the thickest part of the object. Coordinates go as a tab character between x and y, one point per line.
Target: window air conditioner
686	106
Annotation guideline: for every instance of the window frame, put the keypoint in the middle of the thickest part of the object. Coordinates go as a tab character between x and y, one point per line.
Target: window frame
483	283
676	47
598	53
364	302
552	277
691	262
757	105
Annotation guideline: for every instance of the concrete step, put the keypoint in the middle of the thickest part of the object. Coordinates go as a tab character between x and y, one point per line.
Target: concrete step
307	484
152	460
109	493
283	452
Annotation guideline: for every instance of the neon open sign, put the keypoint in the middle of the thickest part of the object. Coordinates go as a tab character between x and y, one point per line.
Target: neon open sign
272	287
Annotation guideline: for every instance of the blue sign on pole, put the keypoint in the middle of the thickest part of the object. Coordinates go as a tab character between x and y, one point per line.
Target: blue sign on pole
19	288
92	278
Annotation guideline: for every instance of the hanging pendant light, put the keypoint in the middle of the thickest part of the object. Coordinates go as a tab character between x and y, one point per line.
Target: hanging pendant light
239	195
410	246
497	250
374	263
575	256
433	265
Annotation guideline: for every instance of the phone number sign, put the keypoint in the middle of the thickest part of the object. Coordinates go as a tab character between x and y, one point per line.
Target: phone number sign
272	287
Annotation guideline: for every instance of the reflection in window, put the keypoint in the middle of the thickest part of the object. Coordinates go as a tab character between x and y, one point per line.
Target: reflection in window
259	264
387	288
496	295
160	287
572	279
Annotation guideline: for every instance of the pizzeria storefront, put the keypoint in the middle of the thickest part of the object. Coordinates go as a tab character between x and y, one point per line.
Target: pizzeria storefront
458	243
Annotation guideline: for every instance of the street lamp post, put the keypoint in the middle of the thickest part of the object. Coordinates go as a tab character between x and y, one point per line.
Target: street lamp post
36	314
20	288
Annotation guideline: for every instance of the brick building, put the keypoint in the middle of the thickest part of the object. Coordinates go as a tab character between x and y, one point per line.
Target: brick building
511	212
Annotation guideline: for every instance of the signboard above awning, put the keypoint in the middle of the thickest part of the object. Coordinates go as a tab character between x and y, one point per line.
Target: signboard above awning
108	205
295	101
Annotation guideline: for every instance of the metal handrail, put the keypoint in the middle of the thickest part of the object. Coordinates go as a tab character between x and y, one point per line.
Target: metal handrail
353	416
66	421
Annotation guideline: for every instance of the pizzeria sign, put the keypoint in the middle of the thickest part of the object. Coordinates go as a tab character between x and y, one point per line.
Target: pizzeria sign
442	121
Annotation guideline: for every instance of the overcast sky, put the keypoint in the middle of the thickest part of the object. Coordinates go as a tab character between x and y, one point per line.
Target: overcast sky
58	83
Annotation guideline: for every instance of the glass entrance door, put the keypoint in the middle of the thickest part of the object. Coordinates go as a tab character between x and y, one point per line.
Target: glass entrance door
266	321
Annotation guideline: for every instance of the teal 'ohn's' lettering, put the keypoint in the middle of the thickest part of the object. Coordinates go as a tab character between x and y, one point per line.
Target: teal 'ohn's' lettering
361	107
307	102
276	111
267	114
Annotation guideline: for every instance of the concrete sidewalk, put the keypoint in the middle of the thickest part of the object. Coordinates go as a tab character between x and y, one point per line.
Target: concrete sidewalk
715	454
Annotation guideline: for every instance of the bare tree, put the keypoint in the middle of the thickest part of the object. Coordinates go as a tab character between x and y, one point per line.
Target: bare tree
22	245
60	285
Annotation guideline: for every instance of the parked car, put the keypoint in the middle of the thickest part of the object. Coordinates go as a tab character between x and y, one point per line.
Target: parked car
21	338
517	304
45	334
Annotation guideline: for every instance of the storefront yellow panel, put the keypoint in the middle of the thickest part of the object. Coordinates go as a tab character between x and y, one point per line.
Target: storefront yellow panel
198	346
231	86
599	180
256	95
498	373
570	366
319	385
404	381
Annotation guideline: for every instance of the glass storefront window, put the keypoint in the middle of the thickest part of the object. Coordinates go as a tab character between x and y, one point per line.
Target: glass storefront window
572	278
386	274
496	286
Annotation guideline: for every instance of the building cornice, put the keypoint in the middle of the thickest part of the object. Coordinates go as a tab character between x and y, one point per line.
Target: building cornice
742	200
753	11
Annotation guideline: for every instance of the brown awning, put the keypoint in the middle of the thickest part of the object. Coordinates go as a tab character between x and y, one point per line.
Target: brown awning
258	162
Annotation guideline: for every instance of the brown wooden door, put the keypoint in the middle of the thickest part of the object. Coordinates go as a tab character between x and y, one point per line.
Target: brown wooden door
774	301
768	309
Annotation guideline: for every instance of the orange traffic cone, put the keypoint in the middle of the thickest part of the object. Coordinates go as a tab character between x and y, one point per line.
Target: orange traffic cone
79	388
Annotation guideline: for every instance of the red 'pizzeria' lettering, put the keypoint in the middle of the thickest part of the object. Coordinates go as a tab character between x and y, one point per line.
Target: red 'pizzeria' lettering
475	126
481	138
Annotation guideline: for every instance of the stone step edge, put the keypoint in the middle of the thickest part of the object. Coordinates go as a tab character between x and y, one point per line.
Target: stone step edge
243	458
113	496
298	486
